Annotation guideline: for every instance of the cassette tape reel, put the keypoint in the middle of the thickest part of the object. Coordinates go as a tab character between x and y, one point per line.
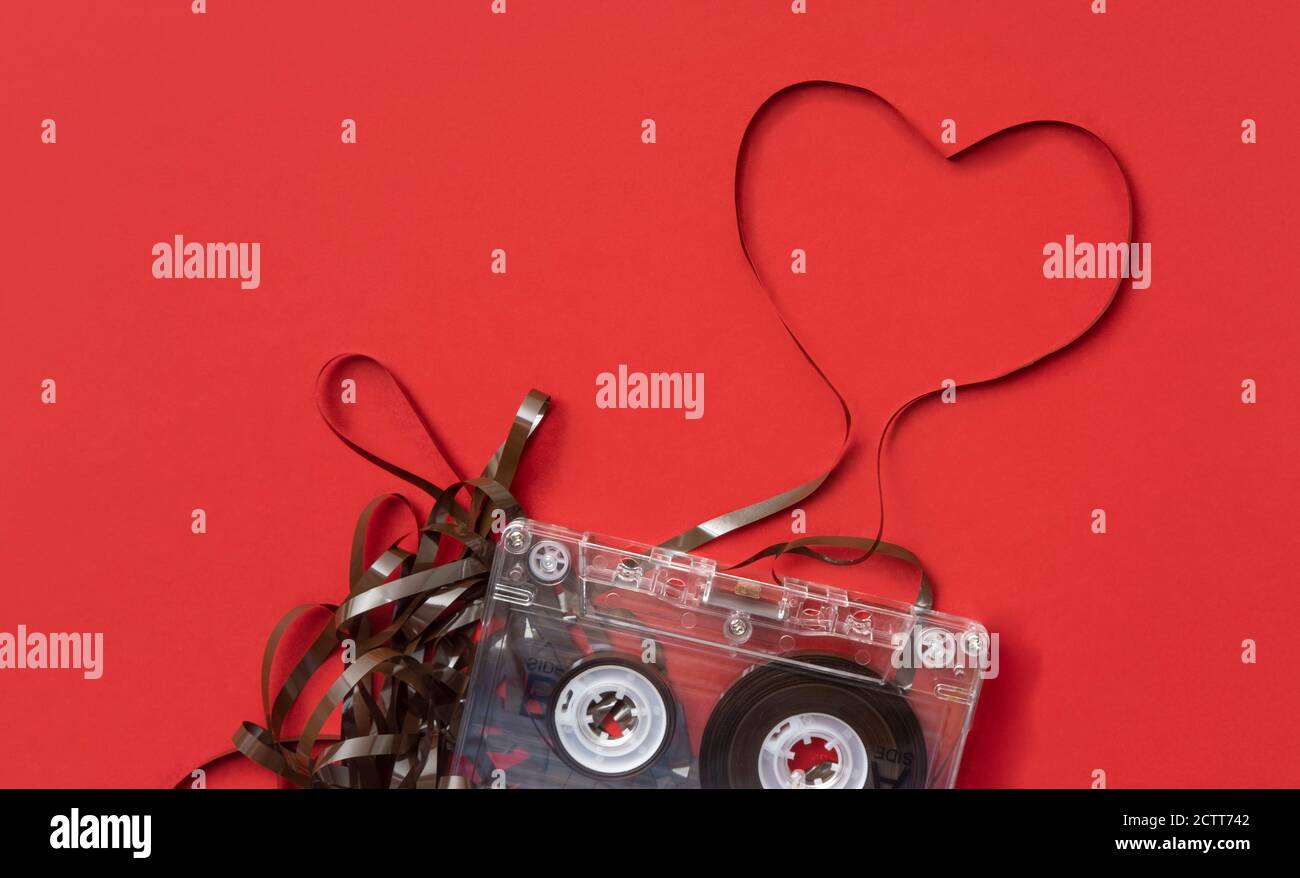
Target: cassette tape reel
611	716
783	728
607	663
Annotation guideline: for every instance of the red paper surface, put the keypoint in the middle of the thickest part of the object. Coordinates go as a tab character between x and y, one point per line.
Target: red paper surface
1120	652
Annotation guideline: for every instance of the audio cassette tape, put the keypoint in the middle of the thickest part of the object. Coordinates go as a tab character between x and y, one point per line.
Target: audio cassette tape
607	663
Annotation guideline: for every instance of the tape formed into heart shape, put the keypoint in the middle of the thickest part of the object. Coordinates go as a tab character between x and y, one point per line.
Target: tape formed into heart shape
966	211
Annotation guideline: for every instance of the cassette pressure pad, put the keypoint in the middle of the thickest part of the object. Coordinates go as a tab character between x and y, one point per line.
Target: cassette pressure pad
606	663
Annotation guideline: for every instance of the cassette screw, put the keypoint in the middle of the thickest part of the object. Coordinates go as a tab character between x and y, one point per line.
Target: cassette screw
738	628
515	540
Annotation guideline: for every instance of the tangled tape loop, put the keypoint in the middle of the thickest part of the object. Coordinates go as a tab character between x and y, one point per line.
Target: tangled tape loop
413	616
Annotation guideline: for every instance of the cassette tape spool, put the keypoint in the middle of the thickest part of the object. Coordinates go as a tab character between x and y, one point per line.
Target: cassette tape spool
611	717
751	736
607	663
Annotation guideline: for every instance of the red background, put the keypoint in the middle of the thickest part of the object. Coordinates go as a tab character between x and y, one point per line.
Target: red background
522	131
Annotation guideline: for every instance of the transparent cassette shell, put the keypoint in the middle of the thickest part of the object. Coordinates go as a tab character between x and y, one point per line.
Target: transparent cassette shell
608	663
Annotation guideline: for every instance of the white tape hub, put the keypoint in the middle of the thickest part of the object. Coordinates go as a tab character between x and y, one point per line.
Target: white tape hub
849	768
611	719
